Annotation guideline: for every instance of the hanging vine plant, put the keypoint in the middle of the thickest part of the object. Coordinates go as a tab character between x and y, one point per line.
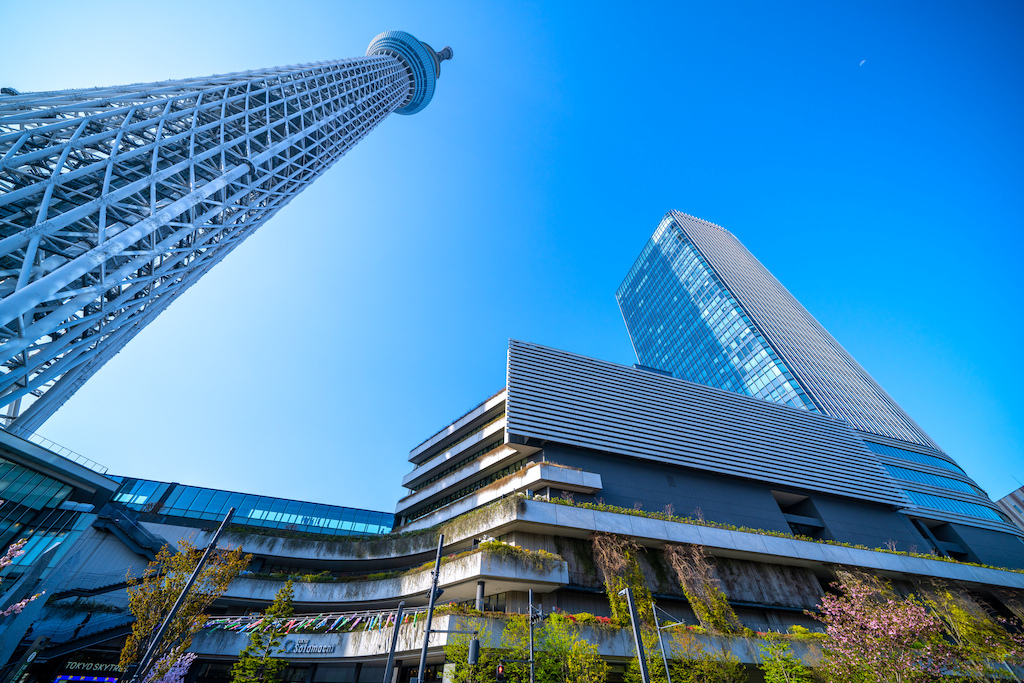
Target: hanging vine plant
696	574
618	561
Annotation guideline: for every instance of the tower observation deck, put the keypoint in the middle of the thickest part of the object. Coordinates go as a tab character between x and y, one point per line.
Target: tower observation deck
113	201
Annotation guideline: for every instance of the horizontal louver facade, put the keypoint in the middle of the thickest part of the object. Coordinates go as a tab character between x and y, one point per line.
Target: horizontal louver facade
570	399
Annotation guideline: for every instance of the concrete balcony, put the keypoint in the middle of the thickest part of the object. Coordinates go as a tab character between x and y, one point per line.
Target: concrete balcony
549	518
458	579
493	460
534	476
614	644
491	405
443	459
534	516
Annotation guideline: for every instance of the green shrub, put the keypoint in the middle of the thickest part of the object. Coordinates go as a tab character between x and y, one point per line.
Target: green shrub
780	665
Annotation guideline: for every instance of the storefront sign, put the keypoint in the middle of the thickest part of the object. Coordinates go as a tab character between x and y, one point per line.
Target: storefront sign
92	666
302	646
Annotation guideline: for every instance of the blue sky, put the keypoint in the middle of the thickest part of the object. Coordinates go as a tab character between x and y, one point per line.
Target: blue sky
867	153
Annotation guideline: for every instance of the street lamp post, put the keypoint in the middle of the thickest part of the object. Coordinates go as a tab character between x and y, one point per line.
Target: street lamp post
434	593
645	675
661	643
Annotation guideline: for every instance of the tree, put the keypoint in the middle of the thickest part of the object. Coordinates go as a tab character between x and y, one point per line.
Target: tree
780	665
14	551
456	653
153	594
981	641
569	658
177	670
872	636
561	655
652	652
692	663
515	644
256	663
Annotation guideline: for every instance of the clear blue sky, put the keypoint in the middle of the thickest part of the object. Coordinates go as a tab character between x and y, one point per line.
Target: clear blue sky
868	153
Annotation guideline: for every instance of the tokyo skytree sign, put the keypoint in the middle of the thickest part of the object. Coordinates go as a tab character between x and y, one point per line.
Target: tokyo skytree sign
113	201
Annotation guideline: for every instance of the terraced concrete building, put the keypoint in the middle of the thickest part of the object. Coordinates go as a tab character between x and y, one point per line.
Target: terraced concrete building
779	487
570	448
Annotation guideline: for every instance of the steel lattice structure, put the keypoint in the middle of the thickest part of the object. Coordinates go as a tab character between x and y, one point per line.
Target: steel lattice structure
113	201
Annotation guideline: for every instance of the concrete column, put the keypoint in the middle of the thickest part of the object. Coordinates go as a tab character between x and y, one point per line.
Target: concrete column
480	595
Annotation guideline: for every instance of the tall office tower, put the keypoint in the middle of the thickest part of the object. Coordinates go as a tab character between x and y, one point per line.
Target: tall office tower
699	305
113	201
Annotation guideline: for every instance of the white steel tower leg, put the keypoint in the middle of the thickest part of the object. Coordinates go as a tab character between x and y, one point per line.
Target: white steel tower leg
113	201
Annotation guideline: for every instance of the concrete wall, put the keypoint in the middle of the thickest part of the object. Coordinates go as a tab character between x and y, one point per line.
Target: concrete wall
627	481
731	500
992	547
459	573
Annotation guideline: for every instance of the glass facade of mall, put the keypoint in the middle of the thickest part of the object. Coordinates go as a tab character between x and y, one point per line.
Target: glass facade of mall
45	499
203	504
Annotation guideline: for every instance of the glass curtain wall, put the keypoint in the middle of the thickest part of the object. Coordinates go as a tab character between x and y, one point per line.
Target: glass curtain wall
197	503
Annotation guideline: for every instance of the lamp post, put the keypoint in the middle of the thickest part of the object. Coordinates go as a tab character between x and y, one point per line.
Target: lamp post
394	643
661	643
645	675
434	593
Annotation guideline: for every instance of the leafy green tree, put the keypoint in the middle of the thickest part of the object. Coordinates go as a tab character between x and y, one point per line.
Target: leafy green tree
652	652
780	665
985	649
256	663
561	654
567	657
515	644
456	654
692	663
152	595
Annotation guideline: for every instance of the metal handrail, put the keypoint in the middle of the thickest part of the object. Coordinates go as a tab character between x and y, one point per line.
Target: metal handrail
57	449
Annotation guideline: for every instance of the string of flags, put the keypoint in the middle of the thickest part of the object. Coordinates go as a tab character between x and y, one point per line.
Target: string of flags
351	621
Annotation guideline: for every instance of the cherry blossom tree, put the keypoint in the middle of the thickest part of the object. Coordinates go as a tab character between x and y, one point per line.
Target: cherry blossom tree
177	670
14	551
873	636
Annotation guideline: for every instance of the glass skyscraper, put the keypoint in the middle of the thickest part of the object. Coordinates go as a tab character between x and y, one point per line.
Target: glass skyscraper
683	320
697	304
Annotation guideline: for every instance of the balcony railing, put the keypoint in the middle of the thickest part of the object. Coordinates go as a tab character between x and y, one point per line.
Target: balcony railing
55	447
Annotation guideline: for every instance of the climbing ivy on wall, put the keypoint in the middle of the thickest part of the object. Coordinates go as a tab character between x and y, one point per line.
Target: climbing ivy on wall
618	560
696	575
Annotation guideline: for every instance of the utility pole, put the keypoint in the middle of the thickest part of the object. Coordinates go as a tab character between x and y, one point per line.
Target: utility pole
532	619
645	675
394	643
434	594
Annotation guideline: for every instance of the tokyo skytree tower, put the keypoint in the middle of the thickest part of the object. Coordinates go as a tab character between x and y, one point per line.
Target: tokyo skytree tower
113	201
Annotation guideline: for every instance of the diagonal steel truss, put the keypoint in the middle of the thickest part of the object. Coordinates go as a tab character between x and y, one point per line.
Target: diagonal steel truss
113	201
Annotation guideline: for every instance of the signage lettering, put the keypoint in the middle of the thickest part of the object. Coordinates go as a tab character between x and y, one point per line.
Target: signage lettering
92	666
302	646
